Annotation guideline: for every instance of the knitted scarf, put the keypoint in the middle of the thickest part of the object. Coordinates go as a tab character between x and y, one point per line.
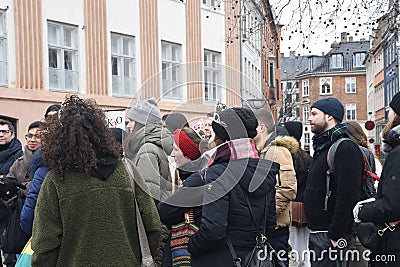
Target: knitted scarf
327	138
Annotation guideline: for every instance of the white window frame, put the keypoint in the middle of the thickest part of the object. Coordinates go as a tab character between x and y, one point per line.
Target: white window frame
322	82
212	76
123	84
307	138
306	113
61	48
171	75
305	87
351	85
336	61
351	112
216	4
359	59
3	50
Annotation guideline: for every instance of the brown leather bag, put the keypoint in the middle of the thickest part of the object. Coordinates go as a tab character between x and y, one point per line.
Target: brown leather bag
298	215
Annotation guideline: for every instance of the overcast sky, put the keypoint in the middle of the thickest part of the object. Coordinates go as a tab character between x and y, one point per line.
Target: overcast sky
312	26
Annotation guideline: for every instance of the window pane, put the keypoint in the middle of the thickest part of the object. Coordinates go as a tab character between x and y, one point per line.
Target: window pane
128	67
3	50
69	60
114	66
71	79
2	26
127	47
70	37
115	47
54	58
55	78
53	34
3	72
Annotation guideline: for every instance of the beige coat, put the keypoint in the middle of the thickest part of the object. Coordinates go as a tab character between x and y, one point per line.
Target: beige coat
280	150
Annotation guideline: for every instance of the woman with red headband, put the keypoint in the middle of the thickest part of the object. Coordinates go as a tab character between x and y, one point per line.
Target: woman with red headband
186	201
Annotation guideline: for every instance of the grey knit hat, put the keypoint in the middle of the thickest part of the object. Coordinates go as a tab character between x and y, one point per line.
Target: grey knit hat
145	112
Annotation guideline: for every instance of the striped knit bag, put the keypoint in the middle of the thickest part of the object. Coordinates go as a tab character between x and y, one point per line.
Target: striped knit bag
180	234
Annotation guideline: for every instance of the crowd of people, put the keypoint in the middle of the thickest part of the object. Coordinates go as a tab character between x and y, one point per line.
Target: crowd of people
208	193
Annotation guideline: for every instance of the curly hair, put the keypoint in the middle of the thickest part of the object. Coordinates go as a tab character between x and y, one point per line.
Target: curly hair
71	142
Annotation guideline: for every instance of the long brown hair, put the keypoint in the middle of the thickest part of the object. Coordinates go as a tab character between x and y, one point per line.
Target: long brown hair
357	134
390	125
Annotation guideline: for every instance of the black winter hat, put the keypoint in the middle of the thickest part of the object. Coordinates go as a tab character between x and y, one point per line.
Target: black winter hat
235	123
331	106
395	103
54	107
295	129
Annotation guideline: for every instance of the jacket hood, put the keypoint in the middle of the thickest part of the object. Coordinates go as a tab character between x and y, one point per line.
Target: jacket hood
392	139
153	133
259	177
288	142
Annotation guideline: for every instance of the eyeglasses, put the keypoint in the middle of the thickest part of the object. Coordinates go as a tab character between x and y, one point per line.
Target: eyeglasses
5	131
30	136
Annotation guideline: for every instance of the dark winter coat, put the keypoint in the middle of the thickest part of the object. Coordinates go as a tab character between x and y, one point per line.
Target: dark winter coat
172	210
40	170
225	211
8	154
386	208
345	185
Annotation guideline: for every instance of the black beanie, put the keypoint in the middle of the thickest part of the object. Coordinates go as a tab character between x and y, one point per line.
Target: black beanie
331	106
235	123
395	103
295	129
34	124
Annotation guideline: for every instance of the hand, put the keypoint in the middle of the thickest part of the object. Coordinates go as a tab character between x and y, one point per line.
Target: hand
358	207
334	243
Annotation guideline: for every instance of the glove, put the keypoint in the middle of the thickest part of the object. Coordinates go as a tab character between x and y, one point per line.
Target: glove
358	207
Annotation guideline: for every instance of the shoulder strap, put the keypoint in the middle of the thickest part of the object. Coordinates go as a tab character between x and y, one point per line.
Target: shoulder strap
236	260
144	243
330	158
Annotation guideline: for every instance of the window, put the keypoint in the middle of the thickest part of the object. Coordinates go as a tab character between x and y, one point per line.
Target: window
351	112
123	65
3	49
289	86
358	59
212	75
336	61
351	85
310	63
171	70
63	57
216	4
306	91
306	112
325	85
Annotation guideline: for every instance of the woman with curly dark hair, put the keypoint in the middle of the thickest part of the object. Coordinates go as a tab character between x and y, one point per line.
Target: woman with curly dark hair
85	213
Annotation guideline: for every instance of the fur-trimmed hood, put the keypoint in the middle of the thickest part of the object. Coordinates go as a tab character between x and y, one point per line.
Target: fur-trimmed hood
392	139
288	142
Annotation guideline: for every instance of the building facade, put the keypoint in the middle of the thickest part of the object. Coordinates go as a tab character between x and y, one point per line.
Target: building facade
187	54
340	74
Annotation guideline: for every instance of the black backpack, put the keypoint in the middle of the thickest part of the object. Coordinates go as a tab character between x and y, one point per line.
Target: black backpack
368	178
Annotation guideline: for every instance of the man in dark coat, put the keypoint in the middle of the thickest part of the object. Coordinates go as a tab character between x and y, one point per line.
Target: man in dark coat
329	208
10	150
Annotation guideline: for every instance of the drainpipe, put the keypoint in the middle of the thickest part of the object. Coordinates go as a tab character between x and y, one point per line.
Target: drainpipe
241	52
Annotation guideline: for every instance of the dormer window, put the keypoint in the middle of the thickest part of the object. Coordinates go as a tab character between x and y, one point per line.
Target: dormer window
337	61
358	59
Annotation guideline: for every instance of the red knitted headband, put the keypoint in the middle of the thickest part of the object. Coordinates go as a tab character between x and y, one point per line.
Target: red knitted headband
189	148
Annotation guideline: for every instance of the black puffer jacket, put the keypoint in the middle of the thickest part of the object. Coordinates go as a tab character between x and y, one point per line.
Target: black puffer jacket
225	211
386	208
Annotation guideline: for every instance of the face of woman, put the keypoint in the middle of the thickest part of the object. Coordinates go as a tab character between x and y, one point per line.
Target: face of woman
177	154
131	125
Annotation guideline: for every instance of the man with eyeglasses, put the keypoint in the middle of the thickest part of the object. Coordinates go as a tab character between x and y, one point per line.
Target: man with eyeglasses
10	150
20	169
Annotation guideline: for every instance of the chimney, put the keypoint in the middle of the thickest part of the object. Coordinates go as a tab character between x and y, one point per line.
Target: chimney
350	38
323	53
292	54
362	40
282	55
343	37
